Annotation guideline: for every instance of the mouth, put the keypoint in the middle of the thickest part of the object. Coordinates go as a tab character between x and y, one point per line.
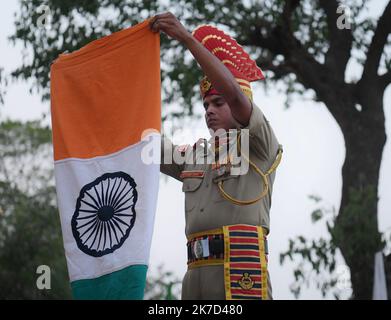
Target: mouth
211	122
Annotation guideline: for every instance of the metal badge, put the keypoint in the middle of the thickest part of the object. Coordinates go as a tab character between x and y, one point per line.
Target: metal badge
246	282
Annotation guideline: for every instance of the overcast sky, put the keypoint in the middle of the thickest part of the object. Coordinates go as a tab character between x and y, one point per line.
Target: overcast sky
313	157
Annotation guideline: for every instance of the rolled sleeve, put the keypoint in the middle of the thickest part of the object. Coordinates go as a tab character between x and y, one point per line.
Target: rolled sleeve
263	141
167	152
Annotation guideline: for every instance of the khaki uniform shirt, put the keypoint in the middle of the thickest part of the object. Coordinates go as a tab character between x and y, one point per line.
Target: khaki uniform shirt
205	207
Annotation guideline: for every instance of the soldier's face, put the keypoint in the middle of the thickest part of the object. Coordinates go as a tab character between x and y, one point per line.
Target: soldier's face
218	113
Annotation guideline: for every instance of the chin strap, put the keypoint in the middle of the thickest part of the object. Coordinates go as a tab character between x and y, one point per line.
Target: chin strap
264	177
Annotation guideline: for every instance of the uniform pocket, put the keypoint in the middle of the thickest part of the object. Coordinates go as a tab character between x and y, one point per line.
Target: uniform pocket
189	187
230	186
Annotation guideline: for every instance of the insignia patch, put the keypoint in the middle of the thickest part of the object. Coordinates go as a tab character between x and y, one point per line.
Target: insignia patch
246	282
205	85
192	174
105	213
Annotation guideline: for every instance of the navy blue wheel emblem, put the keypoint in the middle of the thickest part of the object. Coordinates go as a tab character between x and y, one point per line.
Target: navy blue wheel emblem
105	214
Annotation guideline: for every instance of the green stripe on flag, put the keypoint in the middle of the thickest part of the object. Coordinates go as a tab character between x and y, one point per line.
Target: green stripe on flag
125	284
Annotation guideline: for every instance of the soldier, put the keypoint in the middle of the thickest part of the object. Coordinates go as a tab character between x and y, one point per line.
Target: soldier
227	215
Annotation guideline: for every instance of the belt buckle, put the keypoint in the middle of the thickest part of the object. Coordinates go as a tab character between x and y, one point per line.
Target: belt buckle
198	250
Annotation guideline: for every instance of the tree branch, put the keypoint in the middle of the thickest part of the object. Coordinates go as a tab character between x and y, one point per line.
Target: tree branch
261	35
279	40
289	8
378	42
310	73
281	70
341	41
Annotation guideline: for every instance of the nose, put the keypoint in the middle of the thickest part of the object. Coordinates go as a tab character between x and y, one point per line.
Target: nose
210	111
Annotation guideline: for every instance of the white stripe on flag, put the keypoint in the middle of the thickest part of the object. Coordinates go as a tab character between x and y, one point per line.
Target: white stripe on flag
72	175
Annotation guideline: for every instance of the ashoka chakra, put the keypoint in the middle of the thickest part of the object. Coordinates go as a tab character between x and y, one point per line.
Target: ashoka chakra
105	213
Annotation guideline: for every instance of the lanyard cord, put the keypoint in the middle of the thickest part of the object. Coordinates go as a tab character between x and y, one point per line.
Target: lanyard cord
264	177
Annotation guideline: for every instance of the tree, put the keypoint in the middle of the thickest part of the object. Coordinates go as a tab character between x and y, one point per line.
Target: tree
30	234
305	44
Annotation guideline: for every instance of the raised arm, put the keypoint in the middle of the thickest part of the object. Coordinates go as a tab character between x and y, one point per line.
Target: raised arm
218	74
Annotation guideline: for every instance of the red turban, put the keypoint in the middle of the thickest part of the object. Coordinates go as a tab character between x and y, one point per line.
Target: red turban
232	55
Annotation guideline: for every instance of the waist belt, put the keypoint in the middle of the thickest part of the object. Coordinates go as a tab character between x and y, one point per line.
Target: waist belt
242	249
209	248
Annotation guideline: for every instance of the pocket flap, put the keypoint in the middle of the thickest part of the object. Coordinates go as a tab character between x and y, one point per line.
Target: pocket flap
191	184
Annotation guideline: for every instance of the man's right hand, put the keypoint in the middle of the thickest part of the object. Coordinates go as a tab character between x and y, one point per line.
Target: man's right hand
170	25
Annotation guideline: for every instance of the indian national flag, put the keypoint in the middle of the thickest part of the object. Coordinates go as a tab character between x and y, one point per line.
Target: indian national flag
105	106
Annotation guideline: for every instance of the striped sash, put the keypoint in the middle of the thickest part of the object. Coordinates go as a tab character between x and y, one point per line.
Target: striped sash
245	264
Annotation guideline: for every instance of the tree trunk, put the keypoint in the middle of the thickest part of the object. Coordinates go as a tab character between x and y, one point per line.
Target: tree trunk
356	229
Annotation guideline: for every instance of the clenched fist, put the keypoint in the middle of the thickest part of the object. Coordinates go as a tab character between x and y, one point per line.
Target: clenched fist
170	25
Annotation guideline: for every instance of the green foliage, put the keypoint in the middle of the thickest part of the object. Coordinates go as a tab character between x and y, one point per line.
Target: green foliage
162	286
30	233
75	23
316	215
357	226
315	259
30	236
25	155
19	138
